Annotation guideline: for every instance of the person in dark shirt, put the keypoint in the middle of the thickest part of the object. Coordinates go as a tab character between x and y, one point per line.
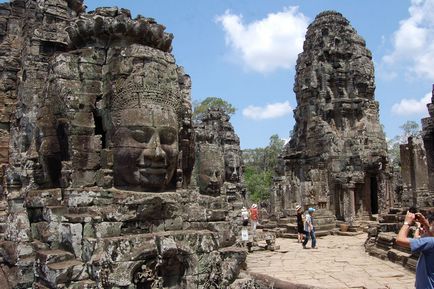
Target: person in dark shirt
300	226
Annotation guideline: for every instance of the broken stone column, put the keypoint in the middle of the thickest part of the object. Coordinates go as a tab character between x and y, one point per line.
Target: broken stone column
414	174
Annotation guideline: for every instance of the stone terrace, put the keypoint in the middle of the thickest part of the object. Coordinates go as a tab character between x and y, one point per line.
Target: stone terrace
340	262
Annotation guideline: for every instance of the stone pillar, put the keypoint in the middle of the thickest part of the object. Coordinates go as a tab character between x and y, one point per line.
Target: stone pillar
349	205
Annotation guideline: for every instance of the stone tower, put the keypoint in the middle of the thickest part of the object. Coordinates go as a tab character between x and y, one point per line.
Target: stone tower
428	140
97	150
336	159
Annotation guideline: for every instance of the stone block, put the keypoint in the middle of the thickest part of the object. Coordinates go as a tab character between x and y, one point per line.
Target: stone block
13	252
104	178
107	229
44	198
216	215
173	224
46	232
53	213
86	143
63	272
92	56
45	257
71	236
90	71
18	228
83	178
88	197
85	160
66	66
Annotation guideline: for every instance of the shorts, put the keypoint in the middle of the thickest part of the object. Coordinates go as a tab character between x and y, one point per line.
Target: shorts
245	222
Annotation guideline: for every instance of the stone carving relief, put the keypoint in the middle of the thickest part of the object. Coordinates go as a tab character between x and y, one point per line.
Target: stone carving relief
211	169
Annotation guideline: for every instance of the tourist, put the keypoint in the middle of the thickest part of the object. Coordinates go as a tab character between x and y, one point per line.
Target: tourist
254	218
309	229
245	216
300	226
423	245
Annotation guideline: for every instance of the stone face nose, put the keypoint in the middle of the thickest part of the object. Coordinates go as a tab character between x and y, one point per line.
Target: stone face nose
153	152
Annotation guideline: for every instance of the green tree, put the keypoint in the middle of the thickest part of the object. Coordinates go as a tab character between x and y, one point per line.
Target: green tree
409	129
199	108
258	183
259	166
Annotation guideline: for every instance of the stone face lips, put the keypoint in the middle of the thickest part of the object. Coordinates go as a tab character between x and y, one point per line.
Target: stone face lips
336	158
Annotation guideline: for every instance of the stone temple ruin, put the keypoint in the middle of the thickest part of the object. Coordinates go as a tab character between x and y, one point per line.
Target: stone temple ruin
107	183
428	140
97	155
336	159
218	159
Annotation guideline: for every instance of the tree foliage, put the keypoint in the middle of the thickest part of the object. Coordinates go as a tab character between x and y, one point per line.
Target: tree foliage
259	166
409	129
199	108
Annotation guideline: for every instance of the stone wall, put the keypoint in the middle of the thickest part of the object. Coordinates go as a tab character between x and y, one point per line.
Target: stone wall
336	159
97	150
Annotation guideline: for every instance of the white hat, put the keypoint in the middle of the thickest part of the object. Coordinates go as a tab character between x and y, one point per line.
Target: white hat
243	209
298	207
254	206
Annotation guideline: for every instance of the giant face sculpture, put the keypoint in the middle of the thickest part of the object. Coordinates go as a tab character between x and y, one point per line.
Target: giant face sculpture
145	141
232	166
210	169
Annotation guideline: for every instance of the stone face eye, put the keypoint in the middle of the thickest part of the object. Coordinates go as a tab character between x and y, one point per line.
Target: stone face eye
167	136
142	135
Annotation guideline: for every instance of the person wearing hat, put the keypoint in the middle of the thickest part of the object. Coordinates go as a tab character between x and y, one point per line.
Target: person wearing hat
254	217
300	226
309	229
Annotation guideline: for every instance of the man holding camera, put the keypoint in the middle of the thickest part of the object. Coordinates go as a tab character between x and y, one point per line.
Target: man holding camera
424	245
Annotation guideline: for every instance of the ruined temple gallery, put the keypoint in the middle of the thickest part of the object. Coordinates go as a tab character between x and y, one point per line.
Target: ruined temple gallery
108	183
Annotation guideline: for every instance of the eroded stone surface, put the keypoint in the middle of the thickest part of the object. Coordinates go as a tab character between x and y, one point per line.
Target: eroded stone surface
336	159
97	146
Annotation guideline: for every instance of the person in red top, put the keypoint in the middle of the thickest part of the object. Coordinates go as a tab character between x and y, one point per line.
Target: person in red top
254	217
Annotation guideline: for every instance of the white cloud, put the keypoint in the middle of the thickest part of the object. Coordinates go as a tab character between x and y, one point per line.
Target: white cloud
273	110
412	106
267	44
413	42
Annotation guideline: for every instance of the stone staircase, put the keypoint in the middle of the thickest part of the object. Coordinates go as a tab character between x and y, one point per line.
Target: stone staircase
324	221
3	218
55	267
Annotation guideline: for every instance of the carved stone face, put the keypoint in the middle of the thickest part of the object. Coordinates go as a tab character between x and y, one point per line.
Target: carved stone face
232	166
145	148
211	171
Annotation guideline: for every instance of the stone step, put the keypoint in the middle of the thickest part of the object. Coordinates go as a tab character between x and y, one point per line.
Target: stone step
392	218
53	256
62	272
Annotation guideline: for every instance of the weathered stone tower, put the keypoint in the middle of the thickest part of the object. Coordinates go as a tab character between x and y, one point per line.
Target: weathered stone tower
336	159
97	151
428	140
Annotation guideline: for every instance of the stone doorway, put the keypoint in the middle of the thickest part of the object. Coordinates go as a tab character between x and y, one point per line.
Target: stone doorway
374	195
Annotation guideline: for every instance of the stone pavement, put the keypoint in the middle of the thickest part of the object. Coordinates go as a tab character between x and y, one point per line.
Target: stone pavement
340	262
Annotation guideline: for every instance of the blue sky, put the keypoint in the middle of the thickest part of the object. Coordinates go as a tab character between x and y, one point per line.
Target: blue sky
244	51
